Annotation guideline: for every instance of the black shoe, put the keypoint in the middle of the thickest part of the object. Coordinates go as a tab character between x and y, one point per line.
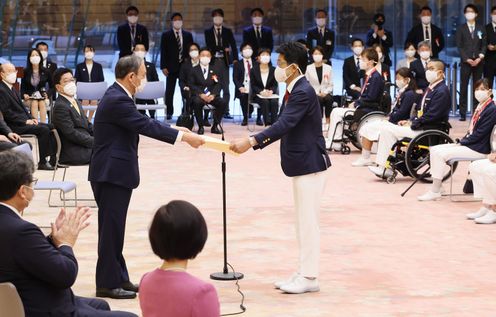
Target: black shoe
131	287
206	123
45	167
259	122
169	117
228	116
463	118
468	188
116	293
245	122
201	130
215	129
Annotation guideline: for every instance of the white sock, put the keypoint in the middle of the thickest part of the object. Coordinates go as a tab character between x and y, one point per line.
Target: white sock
436	185
365	154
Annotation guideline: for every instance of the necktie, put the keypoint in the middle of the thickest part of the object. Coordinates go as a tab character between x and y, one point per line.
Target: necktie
472	31
358	64
259	35
286	97
205	73
219	37
75	106
248	66
427	37
420	113
133	35
179	46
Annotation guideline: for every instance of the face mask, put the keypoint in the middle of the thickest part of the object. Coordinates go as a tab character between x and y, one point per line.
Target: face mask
357	50
204	60
401	84
133	19
410	53
177	24
425	54
317	58
141	54
481	95
141	85
193	54
218	20
247	53
257	20
280	74
470	16
493	18
89	55
363	64
44	54
431	76
35	60
29	200
379	22
320	22
265	59
70	89
426	19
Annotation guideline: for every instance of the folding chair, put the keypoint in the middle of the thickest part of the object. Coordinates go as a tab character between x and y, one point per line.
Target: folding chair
10	301
152	90
91	91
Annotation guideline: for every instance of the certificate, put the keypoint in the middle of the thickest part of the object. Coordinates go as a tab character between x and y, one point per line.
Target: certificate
273	96
218	145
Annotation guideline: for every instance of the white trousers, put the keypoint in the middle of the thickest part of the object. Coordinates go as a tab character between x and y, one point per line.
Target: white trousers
337	116
389	134
307	193
483	173
440	154
371	130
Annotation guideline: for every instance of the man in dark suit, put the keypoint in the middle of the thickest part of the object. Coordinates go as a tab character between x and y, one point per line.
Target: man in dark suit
381	36
114	170
490	57
220	41
419	66
352	74
42	269
426	31
258	35
303	158
174	49
131	33
471	43
49	65
20	120
205	85
321	36
151	75
76	132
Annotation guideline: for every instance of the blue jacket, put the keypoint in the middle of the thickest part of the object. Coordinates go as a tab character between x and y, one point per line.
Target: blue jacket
117	127
480	139
404	105
372	94
436	108
300	129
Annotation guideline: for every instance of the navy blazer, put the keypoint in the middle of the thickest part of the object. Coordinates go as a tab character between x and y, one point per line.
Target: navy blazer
300	129
480	139
82	74
418	70
239	75
198	83
417	33
314	38
436	108
124	38
41	273
28	89
386	44
372	94
228	41
12	108
404	105
116	128
169	50
267	40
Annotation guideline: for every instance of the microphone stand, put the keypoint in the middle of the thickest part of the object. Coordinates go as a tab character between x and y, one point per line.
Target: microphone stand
225	275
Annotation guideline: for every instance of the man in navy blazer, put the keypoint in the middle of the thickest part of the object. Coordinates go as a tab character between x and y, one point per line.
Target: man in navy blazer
426	31
131	33
258	35
321	35
303	157
114	170
42	269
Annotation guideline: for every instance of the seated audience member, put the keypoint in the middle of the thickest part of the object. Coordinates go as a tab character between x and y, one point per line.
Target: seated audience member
89	71
406	99
205	89
185	73
320	77
177	234
151	75
419	66
33	85
369	100
49	65
76	132
382	67
8	139
42	269
483	174
476	144
433	110
20	120
352	73
263	83
409	56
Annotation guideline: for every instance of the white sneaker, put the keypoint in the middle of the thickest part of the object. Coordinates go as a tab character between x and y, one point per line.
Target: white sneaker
278	284
487	219
480	213
430	195
380	171
336	146
301	285
362	161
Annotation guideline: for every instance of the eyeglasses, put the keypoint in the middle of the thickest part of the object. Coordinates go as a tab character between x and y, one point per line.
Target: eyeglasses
33	182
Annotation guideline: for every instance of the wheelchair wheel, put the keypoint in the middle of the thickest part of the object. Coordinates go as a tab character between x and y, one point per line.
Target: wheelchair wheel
345	150
392	179
369	117
417	154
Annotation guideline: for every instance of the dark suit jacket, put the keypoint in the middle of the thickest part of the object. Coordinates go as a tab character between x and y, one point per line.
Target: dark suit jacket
387	44
4	128
327	42
239	76
416	35
267	40
185	74
490	58
12	108
169	50
82	74
436	108
480	139
27	88
41	273
51	67
256	82
151	75
404	106
198	82
350	74
124	38
117	127
471	48
372	94
418	70
300	129
76	133
228	41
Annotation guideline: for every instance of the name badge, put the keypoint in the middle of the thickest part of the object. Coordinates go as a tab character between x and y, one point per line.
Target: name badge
328	42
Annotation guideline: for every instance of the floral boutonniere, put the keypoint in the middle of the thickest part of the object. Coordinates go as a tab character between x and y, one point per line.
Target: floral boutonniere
215	78
479	35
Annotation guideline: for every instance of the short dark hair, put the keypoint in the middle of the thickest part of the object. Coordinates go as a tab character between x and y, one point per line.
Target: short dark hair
317	48
471	6
493	8
379	15
127	64
371	54
320	10
205	49
356	39
218	11
178	231
132	8
406	73
264	50
408	44
256	10
176	14
194	44
17	170
245	44
377	45
482	82
57	75
294	53
40	44
425	8
89	46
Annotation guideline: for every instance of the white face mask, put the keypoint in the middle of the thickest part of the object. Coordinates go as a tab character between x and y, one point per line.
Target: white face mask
265	59
141	86
401	83
247	53
470	16
141	54
280	74
218	20
35	60
426	19
493	18
481	95
194	54
89	55
133	19
320	22
410	53
11	78
44	54
177	24
425	55
363	64
257	20
317	58
357	50
70	89
204	60
431	76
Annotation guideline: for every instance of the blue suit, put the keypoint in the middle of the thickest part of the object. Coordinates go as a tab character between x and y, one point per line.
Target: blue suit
403	107
436	108
114	173
480	139
300	129
371	96
418	70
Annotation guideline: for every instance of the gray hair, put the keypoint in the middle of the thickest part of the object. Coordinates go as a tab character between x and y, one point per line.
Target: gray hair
17	170
127	64
426	43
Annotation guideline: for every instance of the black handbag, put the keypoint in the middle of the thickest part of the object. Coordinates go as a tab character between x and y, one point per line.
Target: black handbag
186	119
